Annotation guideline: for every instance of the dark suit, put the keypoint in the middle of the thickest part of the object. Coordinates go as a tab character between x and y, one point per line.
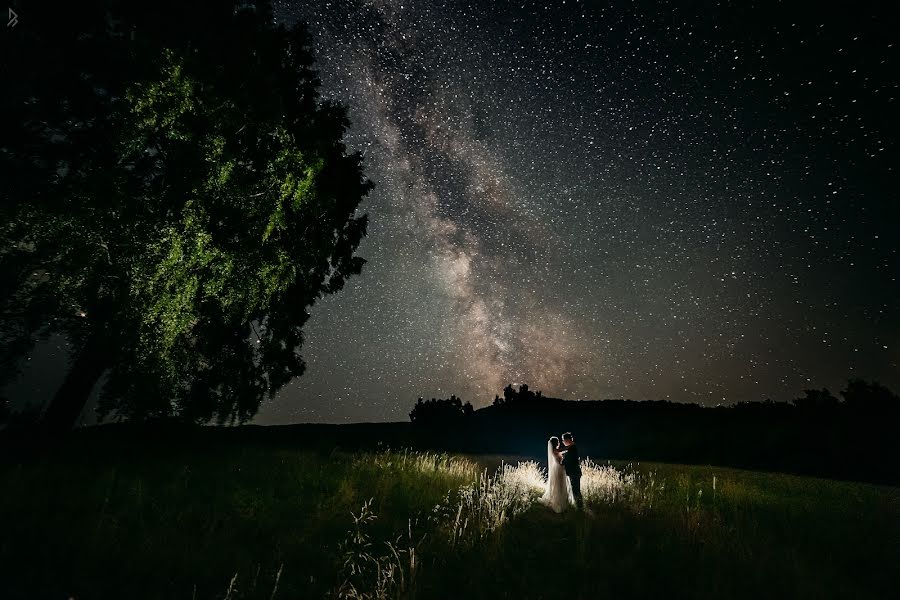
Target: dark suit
573	470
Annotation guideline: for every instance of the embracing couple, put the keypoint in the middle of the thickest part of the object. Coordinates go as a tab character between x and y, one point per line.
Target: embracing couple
562	463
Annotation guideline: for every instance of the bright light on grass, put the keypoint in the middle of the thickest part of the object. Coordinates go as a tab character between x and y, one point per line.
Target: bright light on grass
604	483
422	462
467	515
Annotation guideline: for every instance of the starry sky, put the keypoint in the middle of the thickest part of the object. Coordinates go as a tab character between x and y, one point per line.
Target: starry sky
691	201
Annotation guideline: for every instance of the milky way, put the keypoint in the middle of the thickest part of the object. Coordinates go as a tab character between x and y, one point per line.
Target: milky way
618	200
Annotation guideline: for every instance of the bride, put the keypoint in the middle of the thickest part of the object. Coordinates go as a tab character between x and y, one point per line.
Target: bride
557	494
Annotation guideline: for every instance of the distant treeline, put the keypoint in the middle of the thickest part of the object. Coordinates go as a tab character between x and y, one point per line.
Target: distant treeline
438	410
853	436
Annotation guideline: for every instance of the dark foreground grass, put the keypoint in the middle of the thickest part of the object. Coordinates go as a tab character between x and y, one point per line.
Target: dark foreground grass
266	522
182	525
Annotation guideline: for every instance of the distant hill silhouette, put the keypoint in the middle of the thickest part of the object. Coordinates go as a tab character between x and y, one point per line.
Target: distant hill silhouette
852	438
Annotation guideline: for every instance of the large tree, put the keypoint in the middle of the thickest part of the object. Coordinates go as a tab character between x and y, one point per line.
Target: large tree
176	195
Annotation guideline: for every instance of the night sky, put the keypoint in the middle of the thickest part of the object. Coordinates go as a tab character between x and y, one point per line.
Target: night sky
608	200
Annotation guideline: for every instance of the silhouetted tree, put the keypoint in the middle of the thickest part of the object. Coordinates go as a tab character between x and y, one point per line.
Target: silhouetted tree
509	394
525	395
175	196
440	411
513	396
816	399
766	405
862	395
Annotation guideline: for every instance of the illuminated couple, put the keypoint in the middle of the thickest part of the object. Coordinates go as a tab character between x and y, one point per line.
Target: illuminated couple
563	474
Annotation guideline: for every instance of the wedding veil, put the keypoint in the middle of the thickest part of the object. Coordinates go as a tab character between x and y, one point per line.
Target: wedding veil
552	463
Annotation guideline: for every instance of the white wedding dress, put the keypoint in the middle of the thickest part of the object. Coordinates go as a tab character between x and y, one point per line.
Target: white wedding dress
556	495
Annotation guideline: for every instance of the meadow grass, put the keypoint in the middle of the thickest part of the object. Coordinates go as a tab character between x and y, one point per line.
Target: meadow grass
653	530
268	522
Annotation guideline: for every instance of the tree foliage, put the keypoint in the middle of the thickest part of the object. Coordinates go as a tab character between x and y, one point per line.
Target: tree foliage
444	410
816	399
869	396
177	195
522	396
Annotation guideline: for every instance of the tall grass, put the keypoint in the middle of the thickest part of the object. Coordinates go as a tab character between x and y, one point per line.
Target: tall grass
716	525
375	569
481	508
427	463
380	569
606	484
369	570
267	523
466	516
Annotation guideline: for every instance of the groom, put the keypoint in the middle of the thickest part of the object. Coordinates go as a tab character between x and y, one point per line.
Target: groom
572	466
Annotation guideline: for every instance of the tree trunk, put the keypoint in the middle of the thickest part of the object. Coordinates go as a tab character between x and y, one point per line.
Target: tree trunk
73	394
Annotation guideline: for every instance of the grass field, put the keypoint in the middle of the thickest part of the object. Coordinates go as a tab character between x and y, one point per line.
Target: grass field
265	522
